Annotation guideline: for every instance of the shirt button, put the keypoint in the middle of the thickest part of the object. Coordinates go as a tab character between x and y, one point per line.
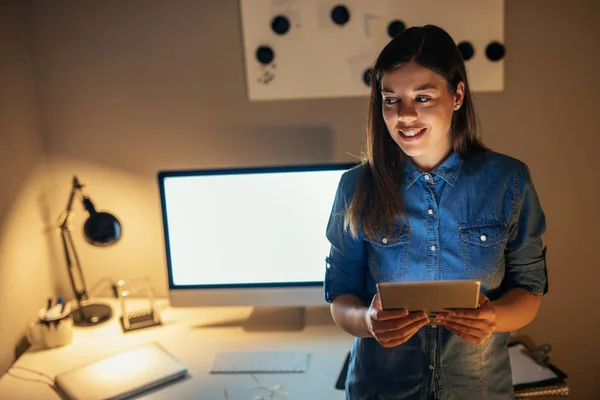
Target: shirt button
434	326
384	240
430	211
431	367
432	247
427	177
483	238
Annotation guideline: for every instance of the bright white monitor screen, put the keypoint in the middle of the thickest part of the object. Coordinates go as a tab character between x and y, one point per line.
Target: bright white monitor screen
261	227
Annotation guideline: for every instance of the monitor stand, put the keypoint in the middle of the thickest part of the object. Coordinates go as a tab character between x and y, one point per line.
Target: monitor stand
269	319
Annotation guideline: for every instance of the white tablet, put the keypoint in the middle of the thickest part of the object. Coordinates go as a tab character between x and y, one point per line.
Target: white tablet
429	296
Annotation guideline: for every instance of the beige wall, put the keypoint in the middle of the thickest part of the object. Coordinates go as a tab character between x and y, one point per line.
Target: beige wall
129	88
25	261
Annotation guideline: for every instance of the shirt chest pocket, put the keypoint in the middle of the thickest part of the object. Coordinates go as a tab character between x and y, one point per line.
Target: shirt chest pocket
388	254
482	248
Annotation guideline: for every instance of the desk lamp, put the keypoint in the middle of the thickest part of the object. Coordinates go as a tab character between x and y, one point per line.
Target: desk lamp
100	229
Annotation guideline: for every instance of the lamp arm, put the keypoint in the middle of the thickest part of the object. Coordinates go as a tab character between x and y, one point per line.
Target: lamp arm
74	267
71	256
75	189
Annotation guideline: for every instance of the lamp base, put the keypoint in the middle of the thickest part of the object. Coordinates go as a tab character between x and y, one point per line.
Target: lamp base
91	315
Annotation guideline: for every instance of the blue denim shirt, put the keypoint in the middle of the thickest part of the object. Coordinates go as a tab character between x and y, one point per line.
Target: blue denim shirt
472	218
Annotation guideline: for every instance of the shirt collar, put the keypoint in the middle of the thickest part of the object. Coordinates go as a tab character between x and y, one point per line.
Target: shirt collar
448	170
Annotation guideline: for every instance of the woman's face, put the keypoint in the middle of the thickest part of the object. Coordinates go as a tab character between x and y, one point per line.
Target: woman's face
417	109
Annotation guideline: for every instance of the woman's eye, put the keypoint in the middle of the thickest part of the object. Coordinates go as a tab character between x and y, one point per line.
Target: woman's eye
422	99
389	101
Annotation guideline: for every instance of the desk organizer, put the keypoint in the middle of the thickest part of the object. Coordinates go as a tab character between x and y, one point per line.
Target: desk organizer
138	318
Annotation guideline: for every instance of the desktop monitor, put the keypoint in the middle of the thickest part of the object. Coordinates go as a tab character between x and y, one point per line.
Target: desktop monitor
249	237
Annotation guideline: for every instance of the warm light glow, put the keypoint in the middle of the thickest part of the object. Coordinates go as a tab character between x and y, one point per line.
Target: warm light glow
25	258
134	200
113	368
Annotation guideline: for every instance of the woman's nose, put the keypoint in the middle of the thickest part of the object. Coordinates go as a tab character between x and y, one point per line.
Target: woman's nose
407	113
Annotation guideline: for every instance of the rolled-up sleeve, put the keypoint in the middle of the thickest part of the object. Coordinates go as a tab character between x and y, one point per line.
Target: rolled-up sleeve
346	264
525	253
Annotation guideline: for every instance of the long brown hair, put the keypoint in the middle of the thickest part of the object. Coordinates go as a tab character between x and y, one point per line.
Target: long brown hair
377	200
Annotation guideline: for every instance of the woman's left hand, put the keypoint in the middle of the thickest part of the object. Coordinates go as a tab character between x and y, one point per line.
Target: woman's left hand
474	326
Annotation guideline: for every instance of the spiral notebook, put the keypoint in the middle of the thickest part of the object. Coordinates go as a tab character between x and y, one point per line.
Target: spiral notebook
561	390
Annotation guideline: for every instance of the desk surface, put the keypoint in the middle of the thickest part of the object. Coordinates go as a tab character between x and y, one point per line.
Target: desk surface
195	336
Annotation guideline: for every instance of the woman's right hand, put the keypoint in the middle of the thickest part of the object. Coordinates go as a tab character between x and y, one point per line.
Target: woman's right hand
392	327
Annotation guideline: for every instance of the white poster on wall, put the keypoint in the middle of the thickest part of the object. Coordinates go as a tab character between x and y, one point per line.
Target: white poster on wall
299	49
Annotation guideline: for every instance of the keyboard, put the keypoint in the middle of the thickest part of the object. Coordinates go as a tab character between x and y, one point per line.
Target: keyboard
271	361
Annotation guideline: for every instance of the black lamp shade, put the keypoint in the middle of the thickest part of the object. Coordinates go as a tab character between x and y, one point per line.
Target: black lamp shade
102	229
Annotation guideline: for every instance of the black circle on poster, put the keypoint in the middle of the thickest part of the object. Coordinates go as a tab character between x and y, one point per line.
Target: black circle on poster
265	54
495	51
280	25
466	50
367	76
395	28
340	15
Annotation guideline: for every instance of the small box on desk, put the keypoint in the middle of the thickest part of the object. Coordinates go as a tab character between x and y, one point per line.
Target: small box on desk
139	318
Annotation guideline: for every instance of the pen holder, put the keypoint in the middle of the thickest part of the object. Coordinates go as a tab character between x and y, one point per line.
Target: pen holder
139	317
51	333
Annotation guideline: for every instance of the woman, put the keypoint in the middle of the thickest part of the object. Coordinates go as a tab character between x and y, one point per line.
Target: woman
430	202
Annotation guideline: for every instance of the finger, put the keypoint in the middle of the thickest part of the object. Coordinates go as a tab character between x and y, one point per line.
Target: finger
465	336
481	324
385	326
483	299
380	314
479	313
384	315
439	317
398	323
473	339
401	332
376	302
397	333
400	340
476	332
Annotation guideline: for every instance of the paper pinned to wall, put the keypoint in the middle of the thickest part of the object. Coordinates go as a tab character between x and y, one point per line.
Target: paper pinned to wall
334	16
378	31
327	38
360	64
291	9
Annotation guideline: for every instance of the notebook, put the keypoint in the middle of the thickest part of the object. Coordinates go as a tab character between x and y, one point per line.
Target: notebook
528	374
122	375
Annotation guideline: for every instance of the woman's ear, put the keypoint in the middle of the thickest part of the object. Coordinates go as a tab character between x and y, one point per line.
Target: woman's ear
459	95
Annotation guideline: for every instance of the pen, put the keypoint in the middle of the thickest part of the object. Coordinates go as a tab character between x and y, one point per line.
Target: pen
59	300
49	303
